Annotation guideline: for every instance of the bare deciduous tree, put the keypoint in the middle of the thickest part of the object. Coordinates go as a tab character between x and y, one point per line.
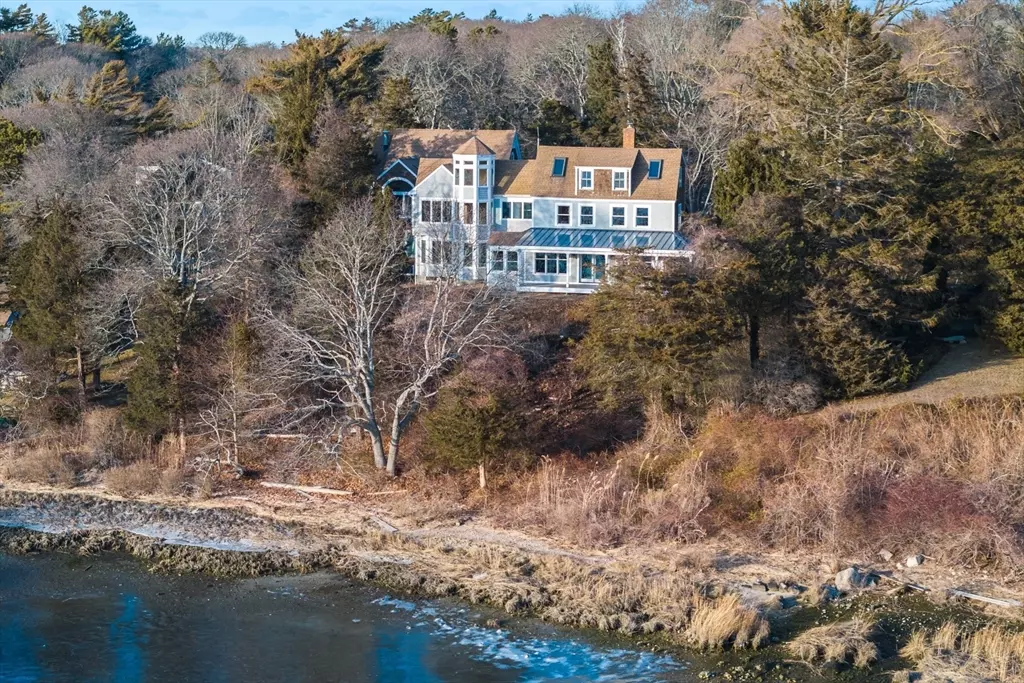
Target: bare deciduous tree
372	346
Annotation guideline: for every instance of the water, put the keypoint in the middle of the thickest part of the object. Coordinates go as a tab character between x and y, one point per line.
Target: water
105	619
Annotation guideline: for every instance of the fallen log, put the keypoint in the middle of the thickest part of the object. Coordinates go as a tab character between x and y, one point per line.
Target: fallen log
907	584
384	525
305	489
1002	602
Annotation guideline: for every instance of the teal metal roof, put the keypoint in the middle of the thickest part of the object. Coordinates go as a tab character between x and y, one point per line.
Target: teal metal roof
565	238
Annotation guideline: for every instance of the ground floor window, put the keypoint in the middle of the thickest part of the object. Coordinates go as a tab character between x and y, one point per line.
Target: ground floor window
551	264
592	267
505	261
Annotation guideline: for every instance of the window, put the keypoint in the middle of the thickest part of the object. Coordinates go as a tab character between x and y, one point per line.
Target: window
483	177
587	241
618	180
467	213
499	261
550	264
435	211
564	212
562	240
586	215
643	216
512	263
467	255
435	252
481	256
654	170
558	167
586	180
642	242
517	210
507	261
618	216
467	176
481	214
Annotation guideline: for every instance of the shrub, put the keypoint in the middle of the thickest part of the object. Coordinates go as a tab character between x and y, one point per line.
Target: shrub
45	463
840	643
138	478
716	623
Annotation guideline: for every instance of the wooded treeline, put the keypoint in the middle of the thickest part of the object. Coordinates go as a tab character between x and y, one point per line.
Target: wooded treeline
191	231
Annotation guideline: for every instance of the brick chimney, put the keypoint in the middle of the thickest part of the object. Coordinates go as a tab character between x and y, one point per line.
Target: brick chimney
628	137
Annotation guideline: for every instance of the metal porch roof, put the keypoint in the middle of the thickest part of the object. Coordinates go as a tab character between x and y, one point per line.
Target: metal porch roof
577	238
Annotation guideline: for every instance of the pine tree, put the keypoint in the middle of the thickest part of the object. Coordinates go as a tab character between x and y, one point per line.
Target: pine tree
751	168
603	113
18	20
834	88
339	168
556	124
396	107
42	27
49	284
14	144
640	103
114	92
112	31
317	72
653	334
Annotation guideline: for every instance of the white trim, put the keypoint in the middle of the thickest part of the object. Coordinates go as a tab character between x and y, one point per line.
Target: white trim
636	225
580	170
388	182
593	215
625	173
442	167
392	165
625	216
558	206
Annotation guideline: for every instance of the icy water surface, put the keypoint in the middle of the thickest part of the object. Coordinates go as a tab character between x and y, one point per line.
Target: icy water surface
106	619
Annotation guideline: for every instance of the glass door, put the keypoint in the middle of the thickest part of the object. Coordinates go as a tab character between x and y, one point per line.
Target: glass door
591	267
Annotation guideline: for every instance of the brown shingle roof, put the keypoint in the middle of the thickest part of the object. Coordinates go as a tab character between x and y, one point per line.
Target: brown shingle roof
475	147
513	177
504	239
428	166
435	143
665	188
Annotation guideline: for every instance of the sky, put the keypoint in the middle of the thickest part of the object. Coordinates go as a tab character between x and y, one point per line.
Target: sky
276	20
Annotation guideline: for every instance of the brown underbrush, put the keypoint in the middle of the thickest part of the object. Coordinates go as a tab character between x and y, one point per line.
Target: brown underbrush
950	654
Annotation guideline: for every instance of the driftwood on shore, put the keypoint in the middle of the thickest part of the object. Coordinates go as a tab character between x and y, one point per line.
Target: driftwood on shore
1002	602
306	489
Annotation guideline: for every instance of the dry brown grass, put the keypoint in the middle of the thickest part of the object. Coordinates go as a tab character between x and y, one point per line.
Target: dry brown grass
949	654
143	478
43	463
844	642
716	623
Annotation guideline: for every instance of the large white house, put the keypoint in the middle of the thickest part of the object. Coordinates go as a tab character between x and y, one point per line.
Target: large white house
550	224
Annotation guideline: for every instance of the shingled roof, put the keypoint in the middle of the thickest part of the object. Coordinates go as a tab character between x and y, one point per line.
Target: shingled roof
430	142
474	147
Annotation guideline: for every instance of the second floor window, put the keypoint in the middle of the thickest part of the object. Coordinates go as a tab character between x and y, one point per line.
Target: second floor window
564	213
517	210
643	216
483	178
435	211
618	180
467	176
586	180
481	213
586	215
618	216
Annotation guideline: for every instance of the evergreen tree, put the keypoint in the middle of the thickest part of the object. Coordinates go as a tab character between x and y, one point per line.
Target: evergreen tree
112	31
640	103
48	285
114	92
340	166
396	107
19	19
556	124
750	169
317	72
603	113
14	144
834	88
42	27
653	334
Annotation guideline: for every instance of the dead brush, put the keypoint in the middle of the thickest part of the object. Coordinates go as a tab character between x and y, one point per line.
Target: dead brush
843	642
138	478
45	462
717	623
992	653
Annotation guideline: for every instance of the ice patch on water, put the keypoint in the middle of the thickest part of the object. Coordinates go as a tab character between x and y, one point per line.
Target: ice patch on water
538	659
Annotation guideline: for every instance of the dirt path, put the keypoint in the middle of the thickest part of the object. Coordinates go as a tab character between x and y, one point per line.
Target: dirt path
972	370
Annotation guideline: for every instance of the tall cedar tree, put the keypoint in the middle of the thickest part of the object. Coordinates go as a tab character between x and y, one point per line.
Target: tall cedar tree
652	335
750	168
981	219
396	107
317	72
640	104
834	91
339	168
157	400
19	19
556	124
113	91
49	284
112	31
603	113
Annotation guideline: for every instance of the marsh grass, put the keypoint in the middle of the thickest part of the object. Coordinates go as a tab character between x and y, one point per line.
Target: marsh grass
844	642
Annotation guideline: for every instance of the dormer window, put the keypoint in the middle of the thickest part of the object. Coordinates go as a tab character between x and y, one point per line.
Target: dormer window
586	180
654	170
558	167
618	180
